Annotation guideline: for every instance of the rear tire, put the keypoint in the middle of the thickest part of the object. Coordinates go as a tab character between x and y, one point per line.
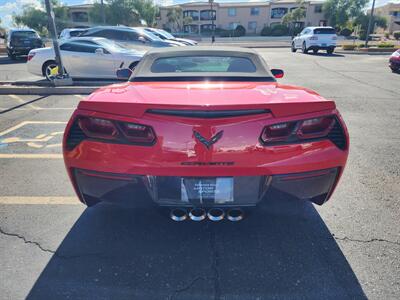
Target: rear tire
330	51
46	68
304	48
293	48
12	56
315	51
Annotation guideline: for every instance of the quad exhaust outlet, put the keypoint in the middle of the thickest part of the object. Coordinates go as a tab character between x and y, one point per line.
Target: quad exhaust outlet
199	214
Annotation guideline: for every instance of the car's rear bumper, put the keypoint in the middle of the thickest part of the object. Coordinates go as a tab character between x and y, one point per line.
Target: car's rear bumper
321	47
141	190
20	50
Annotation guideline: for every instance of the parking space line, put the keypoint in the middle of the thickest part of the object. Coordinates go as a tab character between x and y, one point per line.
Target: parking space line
29	122
41	108
39	200
32	156
23	102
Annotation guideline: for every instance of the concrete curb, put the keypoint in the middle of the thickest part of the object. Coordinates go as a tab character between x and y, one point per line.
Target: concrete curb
361	53
46	91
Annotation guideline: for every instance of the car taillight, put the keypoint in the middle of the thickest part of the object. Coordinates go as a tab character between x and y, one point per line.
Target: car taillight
302	130
313	38
117	131
31	55
314	128
98	128
277	132
137	133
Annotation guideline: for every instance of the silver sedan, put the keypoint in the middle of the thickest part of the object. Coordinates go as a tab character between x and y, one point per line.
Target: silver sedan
91	57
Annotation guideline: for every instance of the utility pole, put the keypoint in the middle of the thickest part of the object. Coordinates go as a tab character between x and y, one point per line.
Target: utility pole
371	20
212	21
62	78
103	13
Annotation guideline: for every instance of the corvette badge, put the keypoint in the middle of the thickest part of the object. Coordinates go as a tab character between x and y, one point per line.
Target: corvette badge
210	142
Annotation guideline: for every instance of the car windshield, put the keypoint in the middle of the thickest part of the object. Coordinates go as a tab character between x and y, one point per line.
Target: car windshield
75	32
203	64
148	34
324	31
166	34
111	45
25	34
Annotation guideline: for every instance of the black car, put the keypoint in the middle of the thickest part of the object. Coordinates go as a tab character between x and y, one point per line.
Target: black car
21	41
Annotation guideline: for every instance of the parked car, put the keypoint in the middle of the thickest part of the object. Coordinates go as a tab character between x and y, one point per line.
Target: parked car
68	33
89	57
129	37
165	35
315	39
394	61
20	41
206	132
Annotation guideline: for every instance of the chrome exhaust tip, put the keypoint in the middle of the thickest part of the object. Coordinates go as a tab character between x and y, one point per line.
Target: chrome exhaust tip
235	214
216	214
197	214
178	214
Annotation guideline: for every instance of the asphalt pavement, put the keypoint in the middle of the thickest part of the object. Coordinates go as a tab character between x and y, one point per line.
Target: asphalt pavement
52	247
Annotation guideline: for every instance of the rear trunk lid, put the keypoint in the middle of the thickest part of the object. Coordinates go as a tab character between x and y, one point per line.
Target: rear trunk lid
135	99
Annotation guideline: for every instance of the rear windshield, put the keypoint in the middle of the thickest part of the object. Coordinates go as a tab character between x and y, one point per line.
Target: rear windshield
324	31
24	34
203	64
75	32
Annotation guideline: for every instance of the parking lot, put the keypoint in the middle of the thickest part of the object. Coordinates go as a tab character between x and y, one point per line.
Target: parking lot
53	247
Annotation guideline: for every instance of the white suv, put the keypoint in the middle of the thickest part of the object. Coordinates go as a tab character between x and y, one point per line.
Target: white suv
315	38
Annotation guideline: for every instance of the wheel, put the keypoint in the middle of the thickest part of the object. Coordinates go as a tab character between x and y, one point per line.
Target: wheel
293	48
315	51
133	65
12	56
47	68
304	48
330	51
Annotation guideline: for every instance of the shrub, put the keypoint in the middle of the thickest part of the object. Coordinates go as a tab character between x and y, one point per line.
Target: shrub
279	30
266	31
346	32
349	47
396	35
385	45
240	30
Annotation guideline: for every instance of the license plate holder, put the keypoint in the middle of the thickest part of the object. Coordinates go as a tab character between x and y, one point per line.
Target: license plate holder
207	191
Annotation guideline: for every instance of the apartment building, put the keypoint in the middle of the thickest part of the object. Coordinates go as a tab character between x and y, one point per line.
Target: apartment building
253	16
391	12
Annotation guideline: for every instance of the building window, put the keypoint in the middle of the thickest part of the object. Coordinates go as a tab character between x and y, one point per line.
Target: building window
206	28
194	14
191	28
254	11
323	23
232	12
80	16
279	12
293	8
252	25
206	15
318	9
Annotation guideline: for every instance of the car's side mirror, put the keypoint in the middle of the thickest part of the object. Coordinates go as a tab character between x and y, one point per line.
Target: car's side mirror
278	73
142	39
124	74
99	51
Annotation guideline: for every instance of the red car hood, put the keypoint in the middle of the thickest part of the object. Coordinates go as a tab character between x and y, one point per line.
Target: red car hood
133	99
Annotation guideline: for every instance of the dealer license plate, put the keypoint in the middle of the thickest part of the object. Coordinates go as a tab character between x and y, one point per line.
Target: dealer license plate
203	191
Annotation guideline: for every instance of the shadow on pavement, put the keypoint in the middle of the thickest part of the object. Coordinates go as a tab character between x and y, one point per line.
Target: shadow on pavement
5	60
322	54
283	250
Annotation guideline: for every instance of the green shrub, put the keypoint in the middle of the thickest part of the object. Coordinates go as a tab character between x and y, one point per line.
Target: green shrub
385	45
346	32
396	35
266	31
279	30
240	30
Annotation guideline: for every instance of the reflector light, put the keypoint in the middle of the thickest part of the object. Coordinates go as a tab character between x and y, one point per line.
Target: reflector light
98	128
137	133
317	127
31	55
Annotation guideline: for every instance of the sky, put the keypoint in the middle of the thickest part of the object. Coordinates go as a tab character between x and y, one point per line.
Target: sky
10	7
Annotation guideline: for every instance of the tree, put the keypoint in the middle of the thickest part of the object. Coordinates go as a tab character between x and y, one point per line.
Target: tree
125	12
295	15
339	12
362	21
36	18
175	19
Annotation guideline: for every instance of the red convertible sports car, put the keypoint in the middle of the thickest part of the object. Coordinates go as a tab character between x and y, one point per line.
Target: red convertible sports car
206	133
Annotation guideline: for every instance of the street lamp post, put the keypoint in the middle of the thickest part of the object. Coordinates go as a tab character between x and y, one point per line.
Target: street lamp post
103	14
212	21
371	19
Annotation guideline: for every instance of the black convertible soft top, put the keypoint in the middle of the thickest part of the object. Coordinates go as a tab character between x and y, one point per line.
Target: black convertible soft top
144	71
